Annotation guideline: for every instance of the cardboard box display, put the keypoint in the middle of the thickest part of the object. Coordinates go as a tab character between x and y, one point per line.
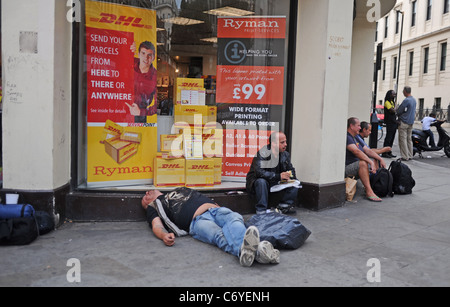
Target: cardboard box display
217	170
193	146
213	144
167	140
169	172
111	131
195	115
189	91
133	137
119	150
200	173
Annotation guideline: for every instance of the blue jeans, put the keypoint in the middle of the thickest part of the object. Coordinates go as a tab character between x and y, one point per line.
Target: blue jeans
220	227
261	189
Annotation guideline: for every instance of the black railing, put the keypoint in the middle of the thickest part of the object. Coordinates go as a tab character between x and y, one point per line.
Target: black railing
441	114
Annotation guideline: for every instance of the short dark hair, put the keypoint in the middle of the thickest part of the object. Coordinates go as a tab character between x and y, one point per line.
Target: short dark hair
351	121
364	125
147	45
407	89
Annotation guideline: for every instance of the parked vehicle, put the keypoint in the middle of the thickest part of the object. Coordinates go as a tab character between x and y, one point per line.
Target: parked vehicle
419	139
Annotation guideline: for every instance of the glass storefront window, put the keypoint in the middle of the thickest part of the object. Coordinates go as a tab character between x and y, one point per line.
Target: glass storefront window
225	59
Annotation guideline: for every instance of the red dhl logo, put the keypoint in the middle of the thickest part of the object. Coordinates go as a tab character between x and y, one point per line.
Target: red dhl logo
186	84
171	166
190	110
113	129
199	167
121	20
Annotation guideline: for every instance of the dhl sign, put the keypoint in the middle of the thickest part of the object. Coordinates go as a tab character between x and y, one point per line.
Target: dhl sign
187	84
201	167
171	166
120	20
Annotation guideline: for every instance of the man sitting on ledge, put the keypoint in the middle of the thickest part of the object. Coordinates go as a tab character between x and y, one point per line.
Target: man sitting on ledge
272	165
185	211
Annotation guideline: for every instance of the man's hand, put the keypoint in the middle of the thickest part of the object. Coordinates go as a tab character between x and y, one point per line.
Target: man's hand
134	109
373	167
285	176
169	239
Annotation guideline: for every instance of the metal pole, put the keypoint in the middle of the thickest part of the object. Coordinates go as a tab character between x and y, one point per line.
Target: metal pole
373	139
399	54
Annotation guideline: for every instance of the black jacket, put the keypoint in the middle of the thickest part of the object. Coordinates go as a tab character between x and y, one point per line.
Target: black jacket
271	171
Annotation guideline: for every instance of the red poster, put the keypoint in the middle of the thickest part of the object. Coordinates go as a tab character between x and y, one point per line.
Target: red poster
110	75
250	84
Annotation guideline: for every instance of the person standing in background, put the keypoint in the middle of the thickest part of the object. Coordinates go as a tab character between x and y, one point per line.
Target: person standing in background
406	114
390	119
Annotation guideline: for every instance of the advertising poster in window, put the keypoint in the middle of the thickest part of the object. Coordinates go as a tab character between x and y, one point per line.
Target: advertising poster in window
250	86
121	94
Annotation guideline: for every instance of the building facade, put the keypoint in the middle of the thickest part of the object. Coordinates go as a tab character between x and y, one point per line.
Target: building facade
423	59
327	53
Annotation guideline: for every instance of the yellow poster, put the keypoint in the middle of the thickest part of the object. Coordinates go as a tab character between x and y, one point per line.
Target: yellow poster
121	94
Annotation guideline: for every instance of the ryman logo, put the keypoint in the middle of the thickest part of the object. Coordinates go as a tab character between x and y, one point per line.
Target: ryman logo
237	24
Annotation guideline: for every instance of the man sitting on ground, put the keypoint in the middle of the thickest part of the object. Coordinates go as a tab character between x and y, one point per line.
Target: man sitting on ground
185	211
366	130
358	160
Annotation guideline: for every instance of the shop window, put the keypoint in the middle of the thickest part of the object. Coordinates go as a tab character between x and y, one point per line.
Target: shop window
218	66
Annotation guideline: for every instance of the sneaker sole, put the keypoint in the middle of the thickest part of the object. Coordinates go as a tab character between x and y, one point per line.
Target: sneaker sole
249	246
267	253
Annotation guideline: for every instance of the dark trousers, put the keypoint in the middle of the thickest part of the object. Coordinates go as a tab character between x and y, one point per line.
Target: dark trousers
431	136
391	130
261	190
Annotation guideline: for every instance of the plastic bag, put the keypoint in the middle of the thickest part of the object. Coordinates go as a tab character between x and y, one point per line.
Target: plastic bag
284	232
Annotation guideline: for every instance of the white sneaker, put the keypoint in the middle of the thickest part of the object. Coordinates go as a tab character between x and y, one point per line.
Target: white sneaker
266	253
249	246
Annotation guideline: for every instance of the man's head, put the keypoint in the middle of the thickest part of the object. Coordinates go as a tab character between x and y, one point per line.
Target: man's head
147	53
407	91
278	140
366	129
150	196
353	126
433	115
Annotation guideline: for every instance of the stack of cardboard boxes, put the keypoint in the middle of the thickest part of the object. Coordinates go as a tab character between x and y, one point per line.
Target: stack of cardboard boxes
192	158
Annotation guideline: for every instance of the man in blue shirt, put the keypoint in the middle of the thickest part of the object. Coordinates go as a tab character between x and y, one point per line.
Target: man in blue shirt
406	114
358	159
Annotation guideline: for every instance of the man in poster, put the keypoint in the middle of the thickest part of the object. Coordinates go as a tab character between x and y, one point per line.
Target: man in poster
145	77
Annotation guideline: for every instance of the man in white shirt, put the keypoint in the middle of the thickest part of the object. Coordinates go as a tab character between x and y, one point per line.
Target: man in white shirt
426	127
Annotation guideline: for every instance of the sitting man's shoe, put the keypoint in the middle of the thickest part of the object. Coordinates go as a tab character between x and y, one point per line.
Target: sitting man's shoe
286	208
249	246
266	253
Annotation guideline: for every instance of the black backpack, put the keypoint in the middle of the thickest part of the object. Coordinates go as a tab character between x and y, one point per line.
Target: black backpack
403	180
18	231
382	183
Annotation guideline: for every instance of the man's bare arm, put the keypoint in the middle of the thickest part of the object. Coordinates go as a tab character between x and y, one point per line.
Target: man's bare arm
161	233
